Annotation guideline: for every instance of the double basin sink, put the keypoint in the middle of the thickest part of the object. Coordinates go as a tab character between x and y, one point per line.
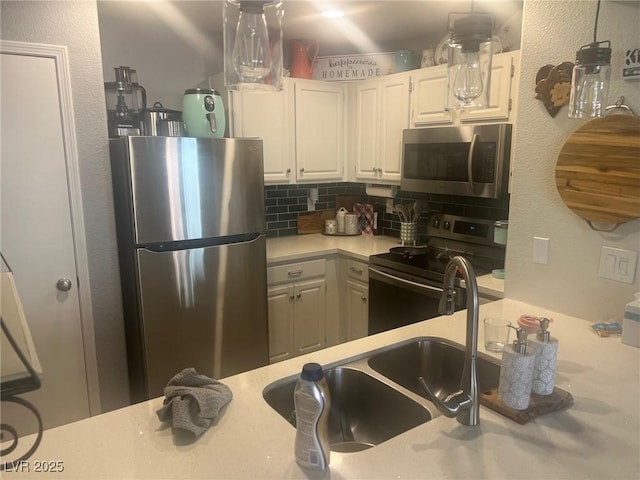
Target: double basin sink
377	395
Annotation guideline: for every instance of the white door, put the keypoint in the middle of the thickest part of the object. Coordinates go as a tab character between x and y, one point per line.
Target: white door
36	235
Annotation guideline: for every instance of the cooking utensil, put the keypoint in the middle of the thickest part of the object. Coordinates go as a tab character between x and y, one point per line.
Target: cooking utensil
417	209
152	118
400	211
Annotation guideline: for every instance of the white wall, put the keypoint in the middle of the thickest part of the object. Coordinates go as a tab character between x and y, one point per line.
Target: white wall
552	32
75	24
169	54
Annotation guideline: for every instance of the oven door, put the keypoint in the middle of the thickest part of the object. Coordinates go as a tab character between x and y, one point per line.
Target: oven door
397	299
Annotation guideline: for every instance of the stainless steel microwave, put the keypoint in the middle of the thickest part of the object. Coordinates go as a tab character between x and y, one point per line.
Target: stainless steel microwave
466	160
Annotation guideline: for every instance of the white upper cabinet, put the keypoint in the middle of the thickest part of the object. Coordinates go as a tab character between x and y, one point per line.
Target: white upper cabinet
429	94
500	103
381	113
319	130
265	115
302	128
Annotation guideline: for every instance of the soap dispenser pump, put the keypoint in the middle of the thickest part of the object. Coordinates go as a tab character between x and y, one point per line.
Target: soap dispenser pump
516	374
544	370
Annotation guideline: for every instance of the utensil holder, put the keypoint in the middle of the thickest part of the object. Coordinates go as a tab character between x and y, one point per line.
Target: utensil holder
408	233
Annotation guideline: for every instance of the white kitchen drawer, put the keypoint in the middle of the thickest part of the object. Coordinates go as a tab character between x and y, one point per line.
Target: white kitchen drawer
358	270
292	272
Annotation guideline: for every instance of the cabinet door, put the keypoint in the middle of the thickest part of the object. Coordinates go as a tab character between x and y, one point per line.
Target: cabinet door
500	93
319	130
429	96
281	335
394	117
309	316
367	126
357	310
265	115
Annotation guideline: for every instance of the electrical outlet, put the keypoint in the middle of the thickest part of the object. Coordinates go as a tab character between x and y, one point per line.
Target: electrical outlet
618	264
389	205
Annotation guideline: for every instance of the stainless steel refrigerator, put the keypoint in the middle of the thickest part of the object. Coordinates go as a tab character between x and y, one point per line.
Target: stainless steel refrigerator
192	248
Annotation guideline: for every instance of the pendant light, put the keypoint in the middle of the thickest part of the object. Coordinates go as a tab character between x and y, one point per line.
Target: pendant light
253	44
469	60
590	79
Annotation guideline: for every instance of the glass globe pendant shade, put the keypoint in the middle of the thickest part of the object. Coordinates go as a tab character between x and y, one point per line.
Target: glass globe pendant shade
469	64
253	45
590	81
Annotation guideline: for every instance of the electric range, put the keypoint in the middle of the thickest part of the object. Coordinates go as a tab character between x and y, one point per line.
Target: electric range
405	284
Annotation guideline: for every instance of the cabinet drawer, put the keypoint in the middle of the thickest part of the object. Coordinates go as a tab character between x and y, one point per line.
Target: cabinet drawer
358	270
292	272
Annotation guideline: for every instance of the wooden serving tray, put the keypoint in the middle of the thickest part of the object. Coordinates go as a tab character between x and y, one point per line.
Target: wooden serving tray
538	405
598	171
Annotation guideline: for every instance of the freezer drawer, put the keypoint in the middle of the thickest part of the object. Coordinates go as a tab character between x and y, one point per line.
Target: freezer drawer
204	308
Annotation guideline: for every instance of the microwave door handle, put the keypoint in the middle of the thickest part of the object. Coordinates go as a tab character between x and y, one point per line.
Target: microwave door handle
470	159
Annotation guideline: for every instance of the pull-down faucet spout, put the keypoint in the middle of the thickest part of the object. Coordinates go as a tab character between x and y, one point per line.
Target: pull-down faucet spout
465	403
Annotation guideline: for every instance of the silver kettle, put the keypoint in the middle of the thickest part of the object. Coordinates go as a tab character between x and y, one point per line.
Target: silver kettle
203	113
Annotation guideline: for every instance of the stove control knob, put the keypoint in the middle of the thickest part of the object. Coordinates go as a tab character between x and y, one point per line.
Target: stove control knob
436	222
447	225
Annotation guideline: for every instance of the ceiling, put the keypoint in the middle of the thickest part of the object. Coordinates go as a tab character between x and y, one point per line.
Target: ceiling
368	26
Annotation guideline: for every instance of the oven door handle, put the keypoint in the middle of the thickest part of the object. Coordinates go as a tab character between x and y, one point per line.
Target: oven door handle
470	159
399	281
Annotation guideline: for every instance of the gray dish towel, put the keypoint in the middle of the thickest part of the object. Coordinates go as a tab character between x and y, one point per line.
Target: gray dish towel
193	401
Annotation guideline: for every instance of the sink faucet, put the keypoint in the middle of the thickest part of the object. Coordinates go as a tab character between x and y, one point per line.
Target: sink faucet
465	403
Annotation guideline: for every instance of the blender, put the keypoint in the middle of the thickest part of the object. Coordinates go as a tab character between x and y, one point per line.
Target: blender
126	103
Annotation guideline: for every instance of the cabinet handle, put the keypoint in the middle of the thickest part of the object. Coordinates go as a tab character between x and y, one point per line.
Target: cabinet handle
295	273
288	171
292	297
299	296
364	299
356	271
302	170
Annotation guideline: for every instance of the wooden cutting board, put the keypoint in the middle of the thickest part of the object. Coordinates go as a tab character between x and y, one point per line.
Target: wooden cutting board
598	170
313	222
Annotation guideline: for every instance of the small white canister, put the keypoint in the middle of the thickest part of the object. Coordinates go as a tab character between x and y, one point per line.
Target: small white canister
351	224
500	230
331	226
340	219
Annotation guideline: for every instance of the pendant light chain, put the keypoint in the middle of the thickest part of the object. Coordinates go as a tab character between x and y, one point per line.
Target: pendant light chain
595	27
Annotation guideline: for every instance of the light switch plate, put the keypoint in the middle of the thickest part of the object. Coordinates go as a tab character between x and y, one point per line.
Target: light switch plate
541	250
618	264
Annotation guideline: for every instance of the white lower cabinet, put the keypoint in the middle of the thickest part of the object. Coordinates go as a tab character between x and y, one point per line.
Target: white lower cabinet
357	300
355	312
297	309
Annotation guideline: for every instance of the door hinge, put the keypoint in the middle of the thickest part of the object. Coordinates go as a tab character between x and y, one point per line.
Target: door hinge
510	104
513	70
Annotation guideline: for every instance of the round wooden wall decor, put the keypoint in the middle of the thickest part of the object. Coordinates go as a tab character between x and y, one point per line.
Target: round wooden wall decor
598	170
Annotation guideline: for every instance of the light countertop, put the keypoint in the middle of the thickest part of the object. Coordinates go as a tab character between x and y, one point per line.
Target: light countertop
300	247
597	437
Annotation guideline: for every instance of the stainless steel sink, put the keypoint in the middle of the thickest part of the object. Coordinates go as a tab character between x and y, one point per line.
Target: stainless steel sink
377	395
438	361
365	411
